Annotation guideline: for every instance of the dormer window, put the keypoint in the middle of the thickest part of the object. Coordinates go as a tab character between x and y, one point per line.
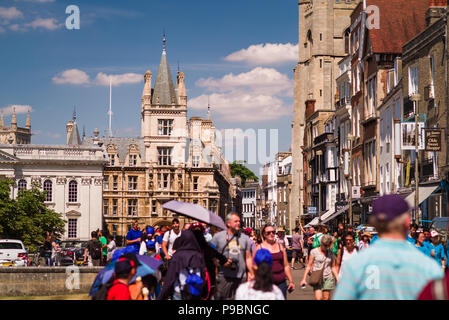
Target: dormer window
133	160
112	159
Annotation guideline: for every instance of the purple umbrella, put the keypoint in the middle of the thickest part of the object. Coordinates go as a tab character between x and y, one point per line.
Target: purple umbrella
195	212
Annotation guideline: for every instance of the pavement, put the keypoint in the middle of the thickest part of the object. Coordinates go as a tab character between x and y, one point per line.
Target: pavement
300	294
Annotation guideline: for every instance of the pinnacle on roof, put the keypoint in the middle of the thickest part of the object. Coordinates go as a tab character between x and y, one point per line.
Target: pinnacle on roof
164	91
74	138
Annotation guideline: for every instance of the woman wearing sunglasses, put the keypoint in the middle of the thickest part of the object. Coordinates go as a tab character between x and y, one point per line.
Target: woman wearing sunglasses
347	251
280	267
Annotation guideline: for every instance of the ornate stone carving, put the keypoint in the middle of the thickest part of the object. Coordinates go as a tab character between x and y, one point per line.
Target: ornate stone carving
98	181
86	181
35	179
61	180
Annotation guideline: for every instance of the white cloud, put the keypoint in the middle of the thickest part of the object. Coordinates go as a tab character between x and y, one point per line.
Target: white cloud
79	77
17	107
254	96
242	107
118	79
259	81
72	76
10	13
48	24
266	54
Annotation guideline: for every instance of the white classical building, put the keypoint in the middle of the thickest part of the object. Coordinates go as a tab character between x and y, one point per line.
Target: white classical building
72	175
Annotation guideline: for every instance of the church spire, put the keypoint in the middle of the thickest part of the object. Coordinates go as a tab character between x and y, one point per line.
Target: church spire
164	91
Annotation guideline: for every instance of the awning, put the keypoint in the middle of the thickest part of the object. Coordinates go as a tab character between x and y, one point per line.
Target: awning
424	193
335	214
315	221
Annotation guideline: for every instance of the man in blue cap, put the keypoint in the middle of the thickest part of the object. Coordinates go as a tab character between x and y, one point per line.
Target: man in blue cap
391	269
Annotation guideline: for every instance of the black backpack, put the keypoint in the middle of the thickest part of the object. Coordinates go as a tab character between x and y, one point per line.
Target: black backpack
102	292
95	252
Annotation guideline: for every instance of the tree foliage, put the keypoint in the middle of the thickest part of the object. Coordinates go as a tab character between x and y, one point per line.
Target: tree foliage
27	218
238	169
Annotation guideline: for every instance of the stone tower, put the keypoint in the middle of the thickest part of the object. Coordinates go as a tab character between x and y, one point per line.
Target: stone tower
322	26
15	134
164	115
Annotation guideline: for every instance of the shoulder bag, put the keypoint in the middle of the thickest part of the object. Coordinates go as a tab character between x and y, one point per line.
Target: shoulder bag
316	277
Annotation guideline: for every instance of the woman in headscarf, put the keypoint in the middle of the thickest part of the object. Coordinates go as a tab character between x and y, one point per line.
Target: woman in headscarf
186	263
210	254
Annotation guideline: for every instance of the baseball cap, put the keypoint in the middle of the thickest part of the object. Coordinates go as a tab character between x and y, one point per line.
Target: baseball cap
434	233
123	267
263	255
150	230
389	207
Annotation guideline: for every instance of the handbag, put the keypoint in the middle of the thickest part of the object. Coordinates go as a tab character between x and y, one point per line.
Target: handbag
316	276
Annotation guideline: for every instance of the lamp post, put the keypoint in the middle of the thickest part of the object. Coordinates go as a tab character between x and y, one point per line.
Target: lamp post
416	98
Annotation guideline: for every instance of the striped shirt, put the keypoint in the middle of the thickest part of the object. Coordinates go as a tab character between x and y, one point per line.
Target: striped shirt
387	270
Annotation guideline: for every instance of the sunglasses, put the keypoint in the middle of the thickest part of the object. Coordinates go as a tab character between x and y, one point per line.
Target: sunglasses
270	232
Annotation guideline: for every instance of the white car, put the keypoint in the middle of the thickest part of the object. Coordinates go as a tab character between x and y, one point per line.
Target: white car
13	253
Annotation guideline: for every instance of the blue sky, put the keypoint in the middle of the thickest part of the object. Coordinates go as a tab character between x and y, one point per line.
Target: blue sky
239	55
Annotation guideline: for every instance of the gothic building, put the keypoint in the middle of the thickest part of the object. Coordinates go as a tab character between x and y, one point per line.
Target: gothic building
14	134
173	159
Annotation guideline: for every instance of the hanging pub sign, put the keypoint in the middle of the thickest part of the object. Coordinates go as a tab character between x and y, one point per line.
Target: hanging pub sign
433	139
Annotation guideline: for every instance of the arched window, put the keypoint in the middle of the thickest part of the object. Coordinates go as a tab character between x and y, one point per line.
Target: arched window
73	191
347	37
48	187
22	185
309	43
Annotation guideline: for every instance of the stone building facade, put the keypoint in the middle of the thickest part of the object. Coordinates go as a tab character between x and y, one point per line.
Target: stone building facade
425	72
322	44
174	159
72	176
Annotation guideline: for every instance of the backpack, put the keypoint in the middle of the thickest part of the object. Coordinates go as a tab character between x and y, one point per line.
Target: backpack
203	281
316	241
102	292
95	250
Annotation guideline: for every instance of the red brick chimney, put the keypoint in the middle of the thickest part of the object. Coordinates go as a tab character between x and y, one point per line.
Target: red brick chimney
437	3
436	10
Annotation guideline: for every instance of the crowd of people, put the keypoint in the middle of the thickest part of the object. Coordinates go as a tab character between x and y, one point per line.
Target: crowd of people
400	260
199	263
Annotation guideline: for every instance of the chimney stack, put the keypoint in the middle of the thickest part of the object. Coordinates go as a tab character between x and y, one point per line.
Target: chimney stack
436	10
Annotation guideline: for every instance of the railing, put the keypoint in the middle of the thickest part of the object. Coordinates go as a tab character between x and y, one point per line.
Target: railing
52	153
344	101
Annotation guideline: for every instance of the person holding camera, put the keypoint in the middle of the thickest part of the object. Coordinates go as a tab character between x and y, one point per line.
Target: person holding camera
236	247
281	268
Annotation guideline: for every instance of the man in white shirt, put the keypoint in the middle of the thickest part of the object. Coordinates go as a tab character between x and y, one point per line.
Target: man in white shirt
169	239
111	247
